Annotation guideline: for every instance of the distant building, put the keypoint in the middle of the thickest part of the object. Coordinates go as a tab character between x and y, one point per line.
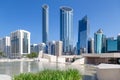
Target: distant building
58	48
91	45
20	43
6	46
99	42
1	45
83	31
66	29
45	23
34	48
118	42
111	45
42	47
51	47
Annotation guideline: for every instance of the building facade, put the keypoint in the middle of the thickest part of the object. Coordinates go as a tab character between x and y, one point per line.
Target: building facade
111	45
1	45
91	45
66	29
51	47
58	48
118	42
83	31
20	43
6	46
45	23
99	42
42	47
34	48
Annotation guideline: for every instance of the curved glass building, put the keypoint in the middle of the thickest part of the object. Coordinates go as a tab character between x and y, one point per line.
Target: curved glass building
66	28
100	42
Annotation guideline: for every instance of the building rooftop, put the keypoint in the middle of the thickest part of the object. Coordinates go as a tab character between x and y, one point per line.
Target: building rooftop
45	6
66	8
103	55
100	31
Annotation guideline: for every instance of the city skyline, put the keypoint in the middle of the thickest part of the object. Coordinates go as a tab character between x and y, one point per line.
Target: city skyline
16	16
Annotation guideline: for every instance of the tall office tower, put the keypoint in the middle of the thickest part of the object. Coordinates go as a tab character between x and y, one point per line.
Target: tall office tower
20	43
45	23
83	31
118	42
91	45
6	46
111	44
66	29
99	42
58	48
51	47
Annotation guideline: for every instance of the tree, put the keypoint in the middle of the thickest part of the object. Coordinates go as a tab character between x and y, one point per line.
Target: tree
32	55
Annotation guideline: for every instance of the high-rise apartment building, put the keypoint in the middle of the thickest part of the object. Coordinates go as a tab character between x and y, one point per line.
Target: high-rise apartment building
45	23
20	43
83	31
100	42
6	46
66	29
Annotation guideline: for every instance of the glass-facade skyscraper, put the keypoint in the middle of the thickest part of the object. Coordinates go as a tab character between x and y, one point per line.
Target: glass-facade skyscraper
66	28
83	30
45	23
99	42
111	45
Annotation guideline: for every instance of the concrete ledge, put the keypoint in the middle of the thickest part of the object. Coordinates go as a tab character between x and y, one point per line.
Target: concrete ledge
5	77
108	72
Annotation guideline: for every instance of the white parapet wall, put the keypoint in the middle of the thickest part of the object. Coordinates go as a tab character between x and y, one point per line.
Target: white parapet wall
53	58
108	72
79	61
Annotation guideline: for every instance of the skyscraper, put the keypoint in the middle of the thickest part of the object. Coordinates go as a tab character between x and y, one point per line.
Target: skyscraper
20	43
99	42
83	29
45	23
66	29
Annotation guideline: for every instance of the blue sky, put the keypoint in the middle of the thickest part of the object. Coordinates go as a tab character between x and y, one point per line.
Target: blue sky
26	14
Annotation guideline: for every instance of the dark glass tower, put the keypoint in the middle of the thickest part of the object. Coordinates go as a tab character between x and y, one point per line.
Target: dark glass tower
66	29
83	31
118	42
45	23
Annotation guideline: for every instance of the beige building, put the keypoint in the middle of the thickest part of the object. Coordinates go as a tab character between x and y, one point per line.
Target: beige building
58	48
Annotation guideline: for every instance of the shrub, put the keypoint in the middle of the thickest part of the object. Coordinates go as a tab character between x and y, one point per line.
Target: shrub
70	74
